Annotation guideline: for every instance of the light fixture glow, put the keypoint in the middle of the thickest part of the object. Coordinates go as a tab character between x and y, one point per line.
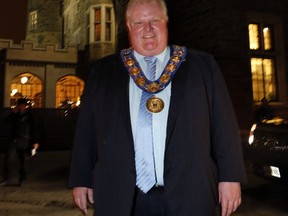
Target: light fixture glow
24	80
251	134
13	92
266	29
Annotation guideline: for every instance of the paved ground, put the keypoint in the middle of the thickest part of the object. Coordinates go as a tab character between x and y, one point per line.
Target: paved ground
45	192
263	197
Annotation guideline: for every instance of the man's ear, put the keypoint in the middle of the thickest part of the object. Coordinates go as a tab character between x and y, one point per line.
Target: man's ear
128	26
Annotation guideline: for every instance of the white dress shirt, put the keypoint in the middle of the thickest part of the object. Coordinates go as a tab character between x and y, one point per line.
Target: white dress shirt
159	120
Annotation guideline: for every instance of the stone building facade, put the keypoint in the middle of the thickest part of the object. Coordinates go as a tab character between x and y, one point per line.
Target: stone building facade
247	38
222	28
44	22
49	64
90	25
62	38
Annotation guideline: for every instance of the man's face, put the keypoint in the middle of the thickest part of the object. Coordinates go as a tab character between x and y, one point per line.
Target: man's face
147	27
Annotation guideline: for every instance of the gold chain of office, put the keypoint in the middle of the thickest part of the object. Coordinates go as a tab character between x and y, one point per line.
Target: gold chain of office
178	54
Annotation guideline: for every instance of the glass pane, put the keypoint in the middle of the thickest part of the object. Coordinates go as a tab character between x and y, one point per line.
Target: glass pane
33	20
257	79
68	92
28	86
254	41
97	32
108	32
270	82
108	14
263	79
267	35
97	15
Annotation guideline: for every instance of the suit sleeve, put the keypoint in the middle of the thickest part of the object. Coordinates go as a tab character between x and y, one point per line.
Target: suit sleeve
226	142
84	151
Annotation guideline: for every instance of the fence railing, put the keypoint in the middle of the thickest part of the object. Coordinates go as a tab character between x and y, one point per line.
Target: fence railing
55	127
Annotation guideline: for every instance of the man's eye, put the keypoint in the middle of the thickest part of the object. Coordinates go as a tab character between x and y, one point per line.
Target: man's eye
155	21
138	23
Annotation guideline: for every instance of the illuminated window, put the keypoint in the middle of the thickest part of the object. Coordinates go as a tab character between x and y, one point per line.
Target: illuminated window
263	79
33	20
260	39
103	24
28	86
254	42
263	61
68	92
268	38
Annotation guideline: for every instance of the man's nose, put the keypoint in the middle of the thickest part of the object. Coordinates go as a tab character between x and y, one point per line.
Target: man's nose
148	26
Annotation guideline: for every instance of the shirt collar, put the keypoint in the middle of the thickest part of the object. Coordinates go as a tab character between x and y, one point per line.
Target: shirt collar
160	57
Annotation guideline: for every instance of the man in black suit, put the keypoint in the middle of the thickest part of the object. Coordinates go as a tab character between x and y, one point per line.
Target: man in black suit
24	137
194	156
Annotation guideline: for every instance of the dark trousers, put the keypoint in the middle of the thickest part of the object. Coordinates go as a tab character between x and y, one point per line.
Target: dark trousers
151	203
15	162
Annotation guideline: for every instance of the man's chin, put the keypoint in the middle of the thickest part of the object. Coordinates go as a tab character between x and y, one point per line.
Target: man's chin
150	49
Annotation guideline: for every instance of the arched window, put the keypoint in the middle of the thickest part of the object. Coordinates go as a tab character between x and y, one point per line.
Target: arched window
68	91
29	86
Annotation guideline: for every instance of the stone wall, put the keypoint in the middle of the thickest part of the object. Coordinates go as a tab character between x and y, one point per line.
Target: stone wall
49	22
49	64
220	28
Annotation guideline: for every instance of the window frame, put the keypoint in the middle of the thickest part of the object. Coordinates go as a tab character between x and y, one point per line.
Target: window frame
33	20
276	53
103	22
73	87
31	88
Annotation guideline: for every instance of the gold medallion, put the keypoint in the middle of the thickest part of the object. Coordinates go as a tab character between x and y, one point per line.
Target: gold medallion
134	71
178	55
176	59
153	87
170	68
130	62
165	78
140	81
155	104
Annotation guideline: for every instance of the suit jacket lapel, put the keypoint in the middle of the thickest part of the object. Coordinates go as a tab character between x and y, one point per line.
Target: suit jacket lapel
177	99
176	102
123	99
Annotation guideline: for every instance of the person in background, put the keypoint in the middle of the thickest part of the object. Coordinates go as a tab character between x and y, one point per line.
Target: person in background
264	112
157	133
23	140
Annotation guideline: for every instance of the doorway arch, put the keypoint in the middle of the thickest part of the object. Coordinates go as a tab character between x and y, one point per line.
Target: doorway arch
29	86
69	90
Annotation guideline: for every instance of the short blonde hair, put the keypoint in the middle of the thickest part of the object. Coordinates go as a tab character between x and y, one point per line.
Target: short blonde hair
161	3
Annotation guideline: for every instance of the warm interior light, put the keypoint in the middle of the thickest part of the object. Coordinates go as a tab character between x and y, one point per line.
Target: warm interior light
13	92
266	29
78	102
24	80
251	134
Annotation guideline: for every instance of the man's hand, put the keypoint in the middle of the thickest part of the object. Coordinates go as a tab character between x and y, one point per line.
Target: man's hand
36	145
229	197
80	195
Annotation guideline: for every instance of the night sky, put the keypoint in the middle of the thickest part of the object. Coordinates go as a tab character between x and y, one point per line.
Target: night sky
13	15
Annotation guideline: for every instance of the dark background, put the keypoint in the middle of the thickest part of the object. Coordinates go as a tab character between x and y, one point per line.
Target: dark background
13	16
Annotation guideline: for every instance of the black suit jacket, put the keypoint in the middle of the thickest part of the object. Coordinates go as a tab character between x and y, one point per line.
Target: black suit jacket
202	145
